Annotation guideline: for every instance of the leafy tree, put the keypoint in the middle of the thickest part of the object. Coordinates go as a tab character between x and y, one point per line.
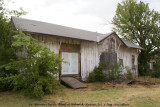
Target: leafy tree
25	64
135	22
38	67
7	53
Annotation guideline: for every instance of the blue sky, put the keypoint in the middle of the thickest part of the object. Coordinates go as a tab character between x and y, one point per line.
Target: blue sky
92	15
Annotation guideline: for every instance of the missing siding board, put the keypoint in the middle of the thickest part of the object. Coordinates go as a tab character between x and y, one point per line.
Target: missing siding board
109	58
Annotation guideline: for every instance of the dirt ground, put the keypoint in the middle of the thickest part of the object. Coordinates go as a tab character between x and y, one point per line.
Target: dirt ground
96	95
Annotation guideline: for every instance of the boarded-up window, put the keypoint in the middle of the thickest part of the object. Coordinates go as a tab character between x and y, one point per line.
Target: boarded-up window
72	66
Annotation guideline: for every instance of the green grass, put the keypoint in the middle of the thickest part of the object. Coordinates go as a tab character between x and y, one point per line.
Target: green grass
135	96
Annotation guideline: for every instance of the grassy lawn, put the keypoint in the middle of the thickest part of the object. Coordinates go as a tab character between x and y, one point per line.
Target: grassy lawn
96	93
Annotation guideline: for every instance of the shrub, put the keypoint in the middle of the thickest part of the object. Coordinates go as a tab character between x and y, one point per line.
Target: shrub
38	91
156	69
37	66
6	83
91	77
7	53
129	73
115	71
98	73
7	76
102	74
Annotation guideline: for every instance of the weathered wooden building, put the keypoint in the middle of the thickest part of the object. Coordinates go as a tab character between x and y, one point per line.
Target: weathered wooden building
82	49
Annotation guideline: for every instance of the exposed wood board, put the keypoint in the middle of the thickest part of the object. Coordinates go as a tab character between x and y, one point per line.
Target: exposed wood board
73	83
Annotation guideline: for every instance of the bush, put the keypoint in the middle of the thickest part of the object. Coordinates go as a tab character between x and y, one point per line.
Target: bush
114	72
156	70
6	83
91	77
98	73
7	53
37	66
129	73
7	76
102	74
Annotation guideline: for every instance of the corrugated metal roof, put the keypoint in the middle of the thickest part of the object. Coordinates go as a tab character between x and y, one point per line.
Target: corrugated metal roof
33	26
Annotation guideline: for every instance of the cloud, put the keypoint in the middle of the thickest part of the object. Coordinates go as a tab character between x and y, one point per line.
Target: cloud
92	15
154	4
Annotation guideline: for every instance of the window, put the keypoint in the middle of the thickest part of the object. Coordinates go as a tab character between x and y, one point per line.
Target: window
133	61
121	61
72	66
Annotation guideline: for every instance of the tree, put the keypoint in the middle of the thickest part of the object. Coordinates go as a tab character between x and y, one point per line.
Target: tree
25	64
7	53
39	66
135	22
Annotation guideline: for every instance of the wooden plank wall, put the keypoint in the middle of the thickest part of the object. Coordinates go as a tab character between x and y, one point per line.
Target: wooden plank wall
122	51
89	58
104	46
91	51
126	53
88	50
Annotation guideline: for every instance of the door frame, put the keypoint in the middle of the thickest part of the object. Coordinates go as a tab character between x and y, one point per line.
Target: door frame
70	48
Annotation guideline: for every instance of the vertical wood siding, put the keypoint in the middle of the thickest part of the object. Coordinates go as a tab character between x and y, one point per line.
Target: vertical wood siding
122	51
126	53
105	45
89	58
88	50
91	51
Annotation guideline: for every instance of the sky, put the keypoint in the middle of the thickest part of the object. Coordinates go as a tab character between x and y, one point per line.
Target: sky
91	15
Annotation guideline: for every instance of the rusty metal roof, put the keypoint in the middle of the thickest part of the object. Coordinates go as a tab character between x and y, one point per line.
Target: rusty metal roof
33	26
